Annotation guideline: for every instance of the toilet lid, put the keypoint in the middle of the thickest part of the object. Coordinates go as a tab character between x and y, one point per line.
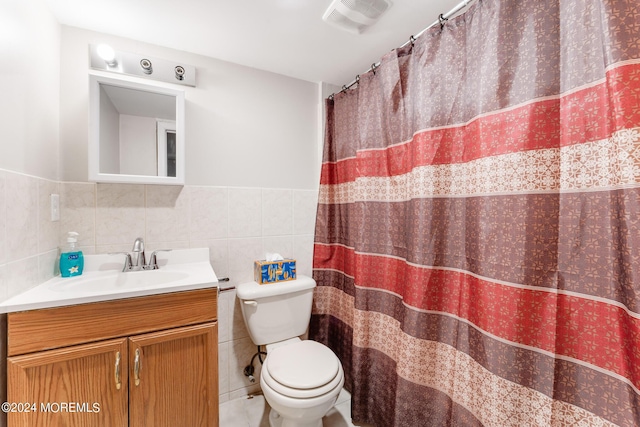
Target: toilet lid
303	365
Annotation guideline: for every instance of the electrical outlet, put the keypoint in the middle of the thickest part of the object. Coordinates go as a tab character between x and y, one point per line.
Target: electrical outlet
55	207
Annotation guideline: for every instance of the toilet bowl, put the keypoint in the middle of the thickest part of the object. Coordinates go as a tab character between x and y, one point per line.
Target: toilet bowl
301	382
300	379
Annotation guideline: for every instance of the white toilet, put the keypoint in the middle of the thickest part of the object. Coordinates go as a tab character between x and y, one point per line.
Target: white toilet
300	379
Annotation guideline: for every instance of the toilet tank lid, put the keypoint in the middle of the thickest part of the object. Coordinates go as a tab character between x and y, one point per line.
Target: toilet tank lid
253	290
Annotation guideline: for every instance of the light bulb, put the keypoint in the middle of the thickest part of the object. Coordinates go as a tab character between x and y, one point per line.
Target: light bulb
107	53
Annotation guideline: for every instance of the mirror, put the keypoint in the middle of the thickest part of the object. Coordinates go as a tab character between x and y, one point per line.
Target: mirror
136	132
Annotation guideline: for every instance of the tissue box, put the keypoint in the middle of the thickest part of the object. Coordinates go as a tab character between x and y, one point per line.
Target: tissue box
274	271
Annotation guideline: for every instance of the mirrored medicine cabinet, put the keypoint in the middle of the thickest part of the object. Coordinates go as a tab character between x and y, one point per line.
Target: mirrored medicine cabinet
136	132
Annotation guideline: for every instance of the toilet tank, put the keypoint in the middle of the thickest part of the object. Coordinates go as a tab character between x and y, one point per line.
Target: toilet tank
277	311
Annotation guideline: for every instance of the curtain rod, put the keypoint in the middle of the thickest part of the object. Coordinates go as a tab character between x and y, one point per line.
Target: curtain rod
442	19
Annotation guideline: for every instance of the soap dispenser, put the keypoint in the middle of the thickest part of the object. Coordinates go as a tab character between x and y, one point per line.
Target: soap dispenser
71	259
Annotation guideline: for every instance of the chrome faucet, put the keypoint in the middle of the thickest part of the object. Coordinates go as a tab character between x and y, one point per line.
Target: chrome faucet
138	259
135	261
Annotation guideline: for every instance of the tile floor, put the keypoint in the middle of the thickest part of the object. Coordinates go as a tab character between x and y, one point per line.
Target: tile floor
254	412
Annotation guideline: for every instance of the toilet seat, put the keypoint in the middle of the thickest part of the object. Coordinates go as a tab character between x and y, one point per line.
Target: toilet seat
304	369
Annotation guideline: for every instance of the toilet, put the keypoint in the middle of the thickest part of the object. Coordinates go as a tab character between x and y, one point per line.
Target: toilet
300	379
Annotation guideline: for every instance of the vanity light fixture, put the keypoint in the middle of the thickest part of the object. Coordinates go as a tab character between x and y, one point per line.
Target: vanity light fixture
107	53
102	57
179	72
146	65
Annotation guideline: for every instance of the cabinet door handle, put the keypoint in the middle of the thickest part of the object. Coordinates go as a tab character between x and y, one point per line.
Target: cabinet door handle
137	365
118	383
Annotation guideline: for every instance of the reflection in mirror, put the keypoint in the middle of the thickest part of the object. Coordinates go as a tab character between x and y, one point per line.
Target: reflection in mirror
136	132
166	144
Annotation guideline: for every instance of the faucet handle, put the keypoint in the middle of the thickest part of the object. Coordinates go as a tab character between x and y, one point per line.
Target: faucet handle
128	263
153	262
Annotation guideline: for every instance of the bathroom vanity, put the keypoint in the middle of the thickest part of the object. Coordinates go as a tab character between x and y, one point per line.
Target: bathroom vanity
142	360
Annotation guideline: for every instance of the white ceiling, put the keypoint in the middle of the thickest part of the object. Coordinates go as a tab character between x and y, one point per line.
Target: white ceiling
282	36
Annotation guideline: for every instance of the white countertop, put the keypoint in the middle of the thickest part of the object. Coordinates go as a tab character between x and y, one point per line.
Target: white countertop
103	280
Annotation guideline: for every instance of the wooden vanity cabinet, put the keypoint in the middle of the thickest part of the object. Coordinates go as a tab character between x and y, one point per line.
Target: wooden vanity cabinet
147	361
41	382
174	375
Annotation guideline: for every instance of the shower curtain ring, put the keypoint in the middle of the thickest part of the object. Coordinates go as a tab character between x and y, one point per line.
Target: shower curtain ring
344	88
373	68
357	81
412	40
442	20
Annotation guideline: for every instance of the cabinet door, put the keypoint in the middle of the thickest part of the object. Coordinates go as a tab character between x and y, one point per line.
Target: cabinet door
173	377
83	386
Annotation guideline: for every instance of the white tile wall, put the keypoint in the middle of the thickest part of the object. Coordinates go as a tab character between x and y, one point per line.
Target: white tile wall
28	237
209	214
242	253
167	214
22	275
238	225
305	203
303	253
245	212
48	231
120	214
21	193
78	212
277	212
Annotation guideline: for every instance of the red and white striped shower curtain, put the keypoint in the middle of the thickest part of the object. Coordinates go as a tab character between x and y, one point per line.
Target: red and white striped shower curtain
477	244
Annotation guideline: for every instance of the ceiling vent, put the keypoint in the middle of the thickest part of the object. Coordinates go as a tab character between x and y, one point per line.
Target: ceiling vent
355	15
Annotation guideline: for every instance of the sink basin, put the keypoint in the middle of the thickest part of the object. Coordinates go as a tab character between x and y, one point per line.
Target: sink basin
103	280
120	281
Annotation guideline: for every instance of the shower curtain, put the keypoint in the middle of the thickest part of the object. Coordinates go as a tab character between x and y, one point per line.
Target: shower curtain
477	244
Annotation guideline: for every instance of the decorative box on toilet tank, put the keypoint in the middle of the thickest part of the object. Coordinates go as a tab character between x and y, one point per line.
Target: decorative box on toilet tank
265	272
